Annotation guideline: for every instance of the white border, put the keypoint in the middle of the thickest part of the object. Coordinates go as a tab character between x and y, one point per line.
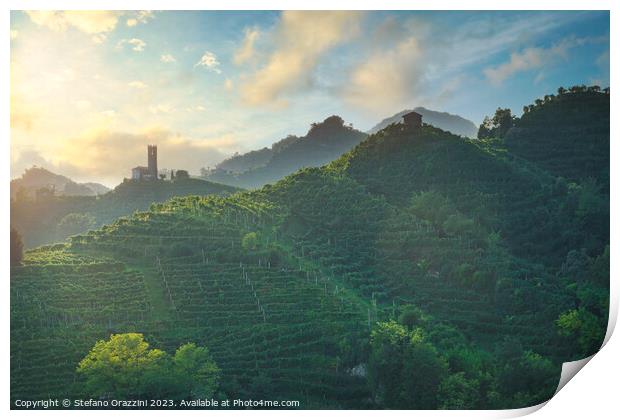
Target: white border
592	395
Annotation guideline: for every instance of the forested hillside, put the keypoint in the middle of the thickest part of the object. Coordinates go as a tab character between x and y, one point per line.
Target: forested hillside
323	143
418	270
575	126
49	218
36	178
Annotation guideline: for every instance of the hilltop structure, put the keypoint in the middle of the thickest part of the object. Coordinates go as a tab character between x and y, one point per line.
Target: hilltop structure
412	120
147	173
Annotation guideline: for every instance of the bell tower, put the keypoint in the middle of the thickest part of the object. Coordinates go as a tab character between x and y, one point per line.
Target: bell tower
152	161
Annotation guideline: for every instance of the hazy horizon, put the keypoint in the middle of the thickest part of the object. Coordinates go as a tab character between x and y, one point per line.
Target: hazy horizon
90	89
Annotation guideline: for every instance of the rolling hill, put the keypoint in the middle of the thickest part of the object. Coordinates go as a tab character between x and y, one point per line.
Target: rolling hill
36	178
455	124
323	143
52	218
575	126
418	270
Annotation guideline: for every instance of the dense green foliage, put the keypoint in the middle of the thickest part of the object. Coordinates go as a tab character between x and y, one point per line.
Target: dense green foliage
51	218
17	247
125	368
419	270
574	125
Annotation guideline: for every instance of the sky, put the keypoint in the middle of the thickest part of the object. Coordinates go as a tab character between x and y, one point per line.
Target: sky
90	89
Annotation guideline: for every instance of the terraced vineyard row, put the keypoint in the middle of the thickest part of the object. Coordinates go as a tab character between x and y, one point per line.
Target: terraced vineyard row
268	322
461	278
61	303
263	318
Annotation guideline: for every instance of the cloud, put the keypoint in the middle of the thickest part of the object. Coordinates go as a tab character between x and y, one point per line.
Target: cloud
136	44
23	114
167	58
111	155
209	61
160	109
246	52
29	157
90	22
387	78
143	16
302	37
534	58
137	84
99	38
530	58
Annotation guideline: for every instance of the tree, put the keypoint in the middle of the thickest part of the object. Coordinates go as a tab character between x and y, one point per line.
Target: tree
17	247
250	241
126	367
585	326
410	316
423	371
503	120
456	392
527	379
498	126
486	129
182	174
457	224
404	370
74	223
119	368
198	373
431	206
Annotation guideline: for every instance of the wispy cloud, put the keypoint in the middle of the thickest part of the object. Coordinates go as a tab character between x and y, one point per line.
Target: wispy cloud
167	58
533	58
301	40
209	61
387	78
136	44
142	16
90	22
246	52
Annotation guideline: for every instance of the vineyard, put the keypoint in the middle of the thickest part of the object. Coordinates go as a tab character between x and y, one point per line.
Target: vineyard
413	251
61	303
38	219
263	319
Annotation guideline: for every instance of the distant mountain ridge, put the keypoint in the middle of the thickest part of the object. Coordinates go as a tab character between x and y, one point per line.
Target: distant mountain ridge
324	142
447	122
37	177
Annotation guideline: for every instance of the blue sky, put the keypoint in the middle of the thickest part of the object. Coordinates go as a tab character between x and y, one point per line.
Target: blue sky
90	89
